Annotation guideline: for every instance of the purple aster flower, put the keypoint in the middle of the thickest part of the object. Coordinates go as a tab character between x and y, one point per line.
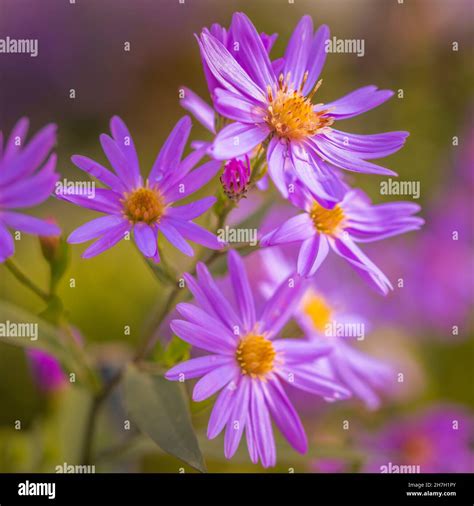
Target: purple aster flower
437	440
145	207
27	179
325	316
273	103
248	362
353	219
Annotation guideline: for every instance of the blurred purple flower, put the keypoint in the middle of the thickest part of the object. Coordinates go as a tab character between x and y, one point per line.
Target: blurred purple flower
27	179
146	208
353	219
273	102
437	440
47	373
248	363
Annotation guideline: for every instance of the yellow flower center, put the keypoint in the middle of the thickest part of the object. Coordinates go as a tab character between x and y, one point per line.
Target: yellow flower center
326	221
317	310
143	204
291	115
255	355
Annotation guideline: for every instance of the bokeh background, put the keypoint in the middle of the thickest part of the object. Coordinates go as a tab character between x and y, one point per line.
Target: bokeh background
409	46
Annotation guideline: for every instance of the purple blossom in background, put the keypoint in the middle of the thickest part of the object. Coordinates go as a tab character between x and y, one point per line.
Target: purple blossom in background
130	204
272	102
353	219
437	440
27	179
248	362
46	370
326	318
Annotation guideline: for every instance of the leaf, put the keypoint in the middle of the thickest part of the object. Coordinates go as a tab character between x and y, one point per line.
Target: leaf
160	410
176	351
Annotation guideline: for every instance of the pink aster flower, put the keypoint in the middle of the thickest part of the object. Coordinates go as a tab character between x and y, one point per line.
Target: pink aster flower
248	362
27	179
145	207
272	103
354	219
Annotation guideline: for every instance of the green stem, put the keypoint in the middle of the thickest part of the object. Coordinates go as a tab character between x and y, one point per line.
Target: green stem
25	280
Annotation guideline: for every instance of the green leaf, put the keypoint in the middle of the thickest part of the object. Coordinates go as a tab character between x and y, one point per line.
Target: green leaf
176	351
160	410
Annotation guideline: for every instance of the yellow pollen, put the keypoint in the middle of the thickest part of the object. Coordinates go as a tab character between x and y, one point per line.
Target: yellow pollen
290	114
327	221
143	204
255	355
317	310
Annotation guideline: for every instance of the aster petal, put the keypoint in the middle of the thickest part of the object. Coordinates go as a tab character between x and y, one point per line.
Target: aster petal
7	246
252	53
277	154
297	51
194	232
118	161
251	443
346	248
242	291
199	295
296	229
201	110
317	58
226	70
312	254
213	381
29	224
174	237
238	418
202	318
299	350
220	304
28	160
19	131
237	107
345	158
104	201
145	238
367	146
280	307
355	103
170	154
205	338
31	191
221	411
262	426
94	228
109	239
98	171
237	139
306	378
125	143
191	210
193	181
285	416
196	367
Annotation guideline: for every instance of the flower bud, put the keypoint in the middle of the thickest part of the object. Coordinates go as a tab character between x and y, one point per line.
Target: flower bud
236	177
